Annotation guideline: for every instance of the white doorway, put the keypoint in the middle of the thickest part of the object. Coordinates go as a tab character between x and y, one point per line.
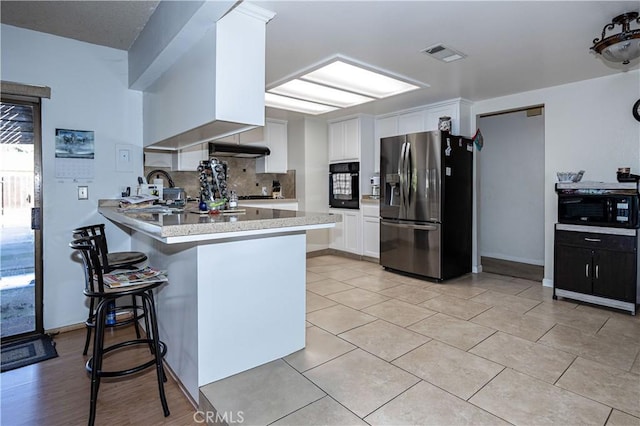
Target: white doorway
511	196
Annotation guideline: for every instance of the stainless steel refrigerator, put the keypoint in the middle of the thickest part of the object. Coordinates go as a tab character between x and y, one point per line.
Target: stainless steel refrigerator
426	203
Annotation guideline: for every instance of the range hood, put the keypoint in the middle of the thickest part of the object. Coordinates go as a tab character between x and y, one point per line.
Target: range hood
215	89
222	149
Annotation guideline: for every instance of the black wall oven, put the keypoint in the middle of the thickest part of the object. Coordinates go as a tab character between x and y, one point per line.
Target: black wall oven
344	185
614	208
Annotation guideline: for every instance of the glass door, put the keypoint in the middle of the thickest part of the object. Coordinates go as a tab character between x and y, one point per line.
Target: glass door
20	235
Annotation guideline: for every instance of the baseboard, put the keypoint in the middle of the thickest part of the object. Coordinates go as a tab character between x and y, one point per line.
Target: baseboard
66	328
186	393
317	253
476	269
500	256
546	282
334	252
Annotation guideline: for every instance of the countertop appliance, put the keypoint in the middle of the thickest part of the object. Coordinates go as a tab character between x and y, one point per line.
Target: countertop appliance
344	185
596	206
426	204
375	187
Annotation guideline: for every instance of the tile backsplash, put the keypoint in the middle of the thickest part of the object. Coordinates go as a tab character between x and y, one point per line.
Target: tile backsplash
241	177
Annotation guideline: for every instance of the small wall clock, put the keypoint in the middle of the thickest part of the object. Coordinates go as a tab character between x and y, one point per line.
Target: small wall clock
636	110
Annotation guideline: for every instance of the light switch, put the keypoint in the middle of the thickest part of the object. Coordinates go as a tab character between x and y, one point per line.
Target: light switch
83	193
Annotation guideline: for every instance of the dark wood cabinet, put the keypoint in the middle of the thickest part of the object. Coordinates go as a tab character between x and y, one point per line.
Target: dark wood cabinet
614	274
597	267
573	267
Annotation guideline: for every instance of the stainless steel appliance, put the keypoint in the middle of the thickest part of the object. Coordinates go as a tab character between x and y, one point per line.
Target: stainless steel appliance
426	204
221	149
612	207
344	185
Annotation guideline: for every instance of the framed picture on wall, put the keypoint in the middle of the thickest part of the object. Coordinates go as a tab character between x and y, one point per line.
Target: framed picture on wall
74	153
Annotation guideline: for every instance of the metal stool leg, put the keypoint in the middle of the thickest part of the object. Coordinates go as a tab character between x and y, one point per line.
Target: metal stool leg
96	360
135	315
92	317
151	310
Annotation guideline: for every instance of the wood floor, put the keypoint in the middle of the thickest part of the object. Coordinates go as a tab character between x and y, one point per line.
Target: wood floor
56	391
512	269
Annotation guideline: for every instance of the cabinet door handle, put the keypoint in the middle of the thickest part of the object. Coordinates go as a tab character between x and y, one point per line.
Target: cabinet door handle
593	240
586	270
597	267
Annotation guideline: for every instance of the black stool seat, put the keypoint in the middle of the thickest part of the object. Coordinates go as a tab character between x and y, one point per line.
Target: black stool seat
114	260
95	288
111	262
123	259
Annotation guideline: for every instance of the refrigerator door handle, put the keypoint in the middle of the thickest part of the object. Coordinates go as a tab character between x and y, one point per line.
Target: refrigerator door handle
408	174
402	174
409	226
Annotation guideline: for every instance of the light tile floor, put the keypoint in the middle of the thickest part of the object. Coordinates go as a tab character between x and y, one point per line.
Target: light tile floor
387	349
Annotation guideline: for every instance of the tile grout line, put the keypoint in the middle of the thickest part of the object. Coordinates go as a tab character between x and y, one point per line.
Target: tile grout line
520	314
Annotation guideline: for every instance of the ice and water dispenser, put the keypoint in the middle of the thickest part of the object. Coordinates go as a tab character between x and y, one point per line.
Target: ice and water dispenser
392	189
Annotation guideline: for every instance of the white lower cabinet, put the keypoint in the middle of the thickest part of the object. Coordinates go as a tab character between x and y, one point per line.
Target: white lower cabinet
371	236
347	236
371	230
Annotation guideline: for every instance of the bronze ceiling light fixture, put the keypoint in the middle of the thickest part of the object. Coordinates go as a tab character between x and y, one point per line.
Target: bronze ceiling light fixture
624	46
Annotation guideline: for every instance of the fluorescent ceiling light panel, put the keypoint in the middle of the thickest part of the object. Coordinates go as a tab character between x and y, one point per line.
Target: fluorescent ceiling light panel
355	79
292	104
317	93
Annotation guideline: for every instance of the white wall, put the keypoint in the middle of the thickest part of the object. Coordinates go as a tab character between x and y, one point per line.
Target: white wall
308	155
89	91
511	187
588	125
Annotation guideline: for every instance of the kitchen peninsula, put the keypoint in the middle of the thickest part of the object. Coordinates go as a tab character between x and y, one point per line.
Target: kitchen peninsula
236	292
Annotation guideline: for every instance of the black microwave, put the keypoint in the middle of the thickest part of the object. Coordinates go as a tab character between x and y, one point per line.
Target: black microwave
617	209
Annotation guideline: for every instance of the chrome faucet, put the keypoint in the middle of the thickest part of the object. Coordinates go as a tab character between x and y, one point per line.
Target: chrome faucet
159	172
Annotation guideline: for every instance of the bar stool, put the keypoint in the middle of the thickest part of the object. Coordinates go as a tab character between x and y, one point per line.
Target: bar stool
111	262
103	295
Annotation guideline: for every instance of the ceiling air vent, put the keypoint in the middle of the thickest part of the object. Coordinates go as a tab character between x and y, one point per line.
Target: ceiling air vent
443	53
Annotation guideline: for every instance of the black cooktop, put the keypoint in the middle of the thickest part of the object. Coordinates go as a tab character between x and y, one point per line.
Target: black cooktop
254	197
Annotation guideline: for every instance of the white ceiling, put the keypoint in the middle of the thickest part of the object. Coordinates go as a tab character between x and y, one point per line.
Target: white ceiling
512	46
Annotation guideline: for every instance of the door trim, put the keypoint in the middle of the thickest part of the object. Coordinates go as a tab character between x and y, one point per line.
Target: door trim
37	202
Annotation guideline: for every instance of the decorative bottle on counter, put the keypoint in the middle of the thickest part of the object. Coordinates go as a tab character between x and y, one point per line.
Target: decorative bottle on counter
233	200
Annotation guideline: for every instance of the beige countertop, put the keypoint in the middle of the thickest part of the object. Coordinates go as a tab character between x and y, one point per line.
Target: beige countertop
268	201
190	225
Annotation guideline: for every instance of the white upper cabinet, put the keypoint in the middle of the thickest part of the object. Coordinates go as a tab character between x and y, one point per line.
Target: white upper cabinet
387	126
344	140
411	122
423	119
352	140
434	114
188	159
276	140
245	138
